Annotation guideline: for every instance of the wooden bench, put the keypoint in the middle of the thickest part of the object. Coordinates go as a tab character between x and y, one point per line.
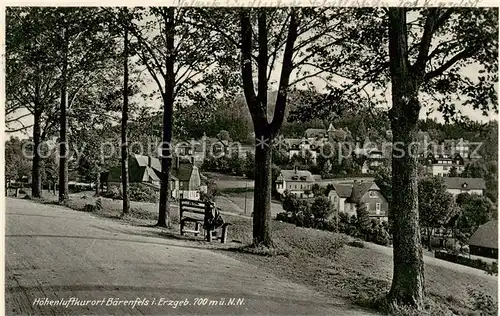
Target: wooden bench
199	213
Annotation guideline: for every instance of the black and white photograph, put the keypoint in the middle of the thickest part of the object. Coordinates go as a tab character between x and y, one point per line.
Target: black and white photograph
291	158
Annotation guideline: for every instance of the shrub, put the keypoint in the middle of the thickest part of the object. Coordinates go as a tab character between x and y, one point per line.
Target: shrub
143	193
290	202
98	204
475	263
113	193
321	209
282	216
363	218
381	236
89	208
303	214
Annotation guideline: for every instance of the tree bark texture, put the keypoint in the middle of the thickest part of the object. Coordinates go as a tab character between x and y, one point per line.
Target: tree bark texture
168	100
257	104
124	149
36	175
63	148
408	277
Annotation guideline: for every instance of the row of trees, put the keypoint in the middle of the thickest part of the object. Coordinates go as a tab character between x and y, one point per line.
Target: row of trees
69	62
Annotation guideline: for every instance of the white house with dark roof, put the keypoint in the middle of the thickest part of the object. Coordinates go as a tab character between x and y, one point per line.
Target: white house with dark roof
345	197
456	185
299	147
298	182
440	161
338	196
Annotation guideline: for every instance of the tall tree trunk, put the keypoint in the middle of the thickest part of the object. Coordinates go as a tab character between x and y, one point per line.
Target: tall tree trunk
168	100
124	153
429	234
97	182
257	104
63	150
408	277
262	192
36	176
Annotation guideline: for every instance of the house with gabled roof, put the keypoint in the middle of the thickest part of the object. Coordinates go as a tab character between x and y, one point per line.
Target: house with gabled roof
457	185
345	197
484	242
299	147
439	161
298	182
185	178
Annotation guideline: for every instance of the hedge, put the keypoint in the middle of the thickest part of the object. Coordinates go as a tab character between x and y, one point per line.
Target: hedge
474	263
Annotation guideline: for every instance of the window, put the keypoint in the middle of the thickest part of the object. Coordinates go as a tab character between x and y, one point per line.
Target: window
372	194
377	208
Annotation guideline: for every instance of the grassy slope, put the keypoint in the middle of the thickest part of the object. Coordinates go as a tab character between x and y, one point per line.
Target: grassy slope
308	256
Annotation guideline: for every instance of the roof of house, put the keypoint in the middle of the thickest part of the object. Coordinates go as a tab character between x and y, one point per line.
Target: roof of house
343	190
486	235
297	175
317	177
143	161
141	171
312	132
359	189
464	183
183	172
353	192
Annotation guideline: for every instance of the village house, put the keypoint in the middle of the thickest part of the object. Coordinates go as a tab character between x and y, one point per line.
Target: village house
439	162
186	180
345	197
210	147
298	147
374	160
484	242
462	147
315	133
456	185
298	182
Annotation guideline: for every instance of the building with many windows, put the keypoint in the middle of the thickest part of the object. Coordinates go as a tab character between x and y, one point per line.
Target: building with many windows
298	182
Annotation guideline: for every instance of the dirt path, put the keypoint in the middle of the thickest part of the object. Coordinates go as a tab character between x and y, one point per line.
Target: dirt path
55	253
